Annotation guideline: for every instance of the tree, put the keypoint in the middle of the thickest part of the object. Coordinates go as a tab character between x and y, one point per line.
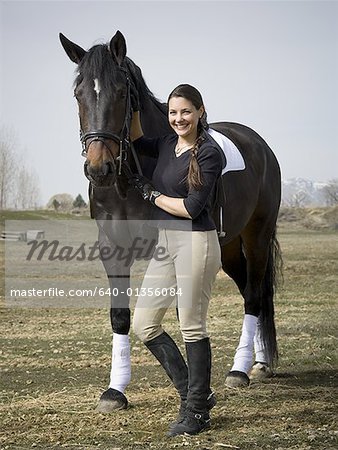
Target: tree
61	202
297	199
79	202
7	168
56	204
27	190
331	192
19	186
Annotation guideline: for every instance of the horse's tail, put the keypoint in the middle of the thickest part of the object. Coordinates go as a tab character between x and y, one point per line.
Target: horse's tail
273	276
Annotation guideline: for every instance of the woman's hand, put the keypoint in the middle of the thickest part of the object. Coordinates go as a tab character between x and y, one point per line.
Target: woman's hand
174	206
144	186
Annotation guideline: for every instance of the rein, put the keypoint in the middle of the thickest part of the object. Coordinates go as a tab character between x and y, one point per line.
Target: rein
123	139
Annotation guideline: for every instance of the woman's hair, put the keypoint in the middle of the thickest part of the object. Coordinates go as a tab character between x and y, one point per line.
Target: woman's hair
193	95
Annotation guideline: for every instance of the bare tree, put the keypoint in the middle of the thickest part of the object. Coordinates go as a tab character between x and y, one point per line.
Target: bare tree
27	190
19	188
298	199
7	167
331	192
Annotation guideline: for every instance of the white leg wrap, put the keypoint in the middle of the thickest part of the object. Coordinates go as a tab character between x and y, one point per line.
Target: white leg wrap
259	346
120	373
244	351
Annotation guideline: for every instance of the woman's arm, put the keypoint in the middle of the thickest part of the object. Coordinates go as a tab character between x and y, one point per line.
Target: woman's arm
210	165
172	205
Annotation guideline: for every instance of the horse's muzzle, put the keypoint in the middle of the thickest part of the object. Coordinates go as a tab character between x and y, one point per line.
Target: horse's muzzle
102	176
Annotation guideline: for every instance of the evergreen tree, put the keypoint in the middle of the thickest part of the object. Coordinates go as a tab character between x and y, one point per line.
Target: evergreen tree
79	202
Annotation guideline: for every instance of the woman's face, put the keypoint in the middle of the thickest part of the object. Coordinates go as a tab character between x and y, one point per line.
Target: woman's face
183	117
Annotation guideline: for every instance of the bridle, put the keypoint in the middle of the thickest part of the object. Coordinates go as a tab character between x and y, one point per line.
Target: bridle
123	139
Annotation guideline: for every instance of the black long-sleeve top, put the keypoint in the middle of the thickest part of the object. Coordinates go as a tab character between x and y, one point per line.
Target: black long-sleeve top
170	178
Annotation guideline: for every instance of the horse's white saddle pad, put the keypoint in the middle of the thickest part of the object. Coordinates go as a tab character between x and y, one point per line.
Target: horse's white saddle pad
234	159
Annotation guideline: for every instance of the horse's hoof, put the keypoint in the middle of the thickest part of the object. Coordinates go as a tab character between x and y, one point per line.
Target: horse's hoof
237	379
111	400
260	371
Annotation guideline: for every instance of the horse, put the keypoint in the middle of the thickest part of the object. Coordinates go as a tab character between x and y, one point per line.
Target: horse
245	211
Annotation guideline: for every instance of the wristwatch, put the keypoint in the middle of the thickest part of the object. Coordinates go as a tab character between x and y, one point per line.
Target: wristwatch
154	195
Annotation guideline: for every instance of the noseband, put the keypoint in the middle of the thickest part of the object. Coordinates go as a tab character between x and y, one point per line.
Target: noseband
123	139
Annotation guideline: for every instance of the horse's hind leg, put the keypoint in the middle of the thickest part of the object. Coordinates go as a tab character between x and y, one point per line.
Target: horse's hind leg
261	368
256	247
235	265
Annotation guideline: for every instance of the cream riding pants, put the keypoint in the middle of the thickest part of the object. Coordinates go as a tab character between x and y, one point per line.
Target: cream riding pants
180	275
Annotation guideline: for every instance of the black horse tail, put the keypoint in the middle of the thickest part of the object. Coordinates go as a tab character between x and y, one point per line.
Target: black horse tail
273	277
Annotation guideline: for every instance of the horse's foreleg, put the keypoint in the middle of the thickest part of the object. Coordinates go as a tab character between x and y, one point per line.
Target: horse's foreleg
120	374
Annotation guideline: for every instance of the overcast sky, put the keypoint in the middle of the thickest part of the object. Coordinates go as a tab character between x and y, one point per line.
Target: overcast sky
271	65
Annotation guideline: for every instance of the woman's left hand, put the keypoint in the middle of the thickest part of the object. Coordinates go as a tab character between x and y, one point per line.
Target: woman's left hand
144	186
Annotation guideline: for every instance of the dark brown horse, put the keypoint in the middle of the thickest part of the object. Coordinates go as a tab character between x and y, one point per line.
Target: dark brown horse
106	86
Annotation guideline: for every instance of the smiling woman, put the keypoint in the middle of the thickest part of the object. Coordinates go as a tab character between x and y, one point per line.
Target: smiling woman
185	176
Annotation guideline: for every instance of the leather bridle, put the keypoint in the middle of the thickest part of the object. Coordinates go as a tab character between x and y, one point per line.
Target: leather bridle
122	139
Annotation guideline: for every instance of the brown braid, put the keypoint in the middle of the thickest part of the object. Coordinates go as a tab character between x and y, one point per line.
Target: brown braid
194	174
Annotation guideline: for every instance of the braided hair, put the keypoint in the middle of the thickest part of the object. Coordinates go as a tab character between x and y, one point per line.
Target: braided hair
194	178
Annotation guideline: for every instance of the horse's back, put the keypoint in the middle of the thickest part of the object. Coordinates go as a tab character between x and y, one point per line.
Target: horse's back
254	191
254	149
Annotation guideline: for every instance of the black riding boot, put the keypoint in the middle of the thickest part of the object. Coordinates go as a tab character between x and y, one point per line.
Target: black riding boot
168	354
197	417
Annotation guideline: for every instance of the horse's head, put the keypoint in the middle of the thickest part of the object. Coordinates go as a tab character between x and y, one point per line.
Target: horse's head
102	90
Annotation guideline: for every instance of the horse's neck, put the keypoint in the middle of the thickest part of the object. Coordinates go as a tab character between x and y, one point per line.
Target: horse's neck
154	121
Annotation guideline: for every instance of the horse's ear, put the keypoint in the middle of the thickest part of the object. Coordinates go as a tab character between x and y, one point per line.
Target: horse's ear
118	48
74	51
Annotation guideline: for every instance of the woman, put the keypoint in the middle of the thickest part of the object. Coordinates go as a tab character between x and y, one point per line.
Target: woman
188	165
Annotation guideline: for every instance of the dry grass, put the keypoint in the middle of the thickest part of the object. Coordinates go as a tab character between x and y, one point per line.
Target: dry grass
55	363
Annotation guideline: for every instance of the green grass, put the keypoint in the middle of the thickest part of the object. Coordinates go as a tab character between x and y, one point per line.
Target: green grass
56	362
37	214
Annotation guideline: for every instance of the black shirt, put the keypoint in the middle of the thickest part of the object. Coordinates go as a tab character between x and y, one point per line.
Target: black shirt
170	178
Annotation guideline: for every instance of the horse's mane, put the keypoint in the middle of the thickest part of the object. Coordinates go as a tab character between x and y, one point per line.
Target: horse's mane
141	86
98	63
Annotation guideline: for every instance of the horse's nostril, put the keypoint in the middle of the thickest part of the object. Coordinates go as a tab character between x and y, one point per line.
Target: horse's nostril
102	176
105	169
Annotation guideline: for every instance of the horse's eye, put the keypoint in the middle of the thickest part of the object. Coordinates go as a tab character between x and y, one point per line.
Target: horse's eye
77	93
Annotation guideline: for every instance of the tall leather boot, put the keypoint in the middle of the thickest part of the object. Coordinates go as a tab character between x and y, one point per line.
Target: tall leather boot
168	354
197	417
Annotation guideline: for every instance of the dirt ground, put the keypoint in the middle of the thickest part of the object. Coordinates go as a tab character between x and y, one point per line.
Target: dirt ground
55	363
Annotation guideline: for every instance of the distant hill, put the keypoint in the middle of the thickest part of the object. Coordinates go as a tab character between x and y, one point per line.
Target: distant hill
320	218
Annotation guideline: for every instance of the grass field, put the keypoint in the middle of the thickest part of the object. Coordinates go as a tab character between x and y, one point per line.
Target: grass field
56	362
